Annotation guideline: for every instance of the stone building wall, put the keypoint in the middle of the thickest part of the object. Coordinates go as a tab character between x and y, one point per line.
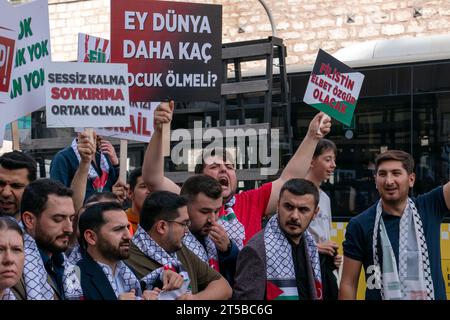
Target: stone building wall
305	25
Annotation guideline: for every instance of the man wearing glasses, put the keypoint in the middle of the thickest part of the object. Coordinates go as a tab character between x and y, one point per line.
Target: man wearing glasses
157	245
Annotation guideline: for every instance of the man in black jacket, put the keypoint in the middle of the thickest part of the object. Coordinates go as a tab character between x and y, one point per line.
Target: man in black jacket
105	236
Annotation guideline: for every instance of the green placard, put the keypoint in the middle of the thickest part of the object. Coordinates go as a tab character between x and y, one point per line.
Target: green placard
333	88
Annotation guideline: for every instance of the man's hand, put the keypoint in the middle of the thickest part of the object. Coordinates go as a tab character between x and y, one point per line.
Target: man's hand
172	280
219	236
319	126
151	294
120	189
163	114
338	261
328	248
85	147
128	295
107	148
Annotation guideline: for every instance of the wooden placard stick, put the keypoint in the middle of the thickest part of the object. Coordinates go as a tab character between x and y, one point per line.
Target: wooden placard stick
123	160
15	135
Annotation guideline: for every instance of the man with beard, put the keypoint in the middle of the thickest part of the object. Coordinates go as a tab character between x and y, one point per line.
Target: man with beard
241	214
397	239
106	240
282	261
157	245
17	170
207	238
47	215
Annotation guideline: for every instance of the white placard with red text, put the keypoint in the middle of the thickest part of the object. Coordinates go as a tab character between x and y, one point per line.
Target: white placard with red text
86	95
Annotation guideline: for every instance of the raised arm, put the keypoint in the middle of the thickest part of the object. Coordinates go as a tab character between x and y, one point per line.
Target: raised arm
153	166
299	164
86	149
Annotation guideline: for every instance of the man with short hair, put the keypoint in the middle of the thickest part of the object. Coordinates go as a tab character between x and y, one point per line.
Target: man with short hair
137	193
282	262
241	213
206	237
105	238
17	170
158	245
47	214
397	240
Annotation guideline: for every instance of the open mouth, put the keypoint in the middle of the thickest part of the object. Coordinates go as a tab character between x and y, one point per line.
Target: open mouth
224	181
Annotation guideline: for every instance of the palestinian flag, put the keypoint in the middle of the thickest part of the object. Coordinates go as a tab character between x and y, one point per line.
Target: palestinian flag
281	290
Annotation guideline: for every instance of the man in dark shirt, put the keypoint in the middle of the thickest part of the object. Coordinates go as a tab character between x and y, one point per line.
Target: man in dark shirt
282	262
406	233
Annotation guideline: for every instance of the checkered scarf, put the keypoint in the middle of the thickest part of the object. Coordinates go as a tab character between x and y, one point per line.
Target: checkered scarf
413	279
75	255
35	275
129	279
280	271
151	249
210	255
98	182
233	227
8	295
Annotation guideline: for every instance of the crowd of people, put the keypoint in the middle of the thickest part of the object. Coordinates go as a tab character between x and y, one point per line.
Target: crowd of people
84	234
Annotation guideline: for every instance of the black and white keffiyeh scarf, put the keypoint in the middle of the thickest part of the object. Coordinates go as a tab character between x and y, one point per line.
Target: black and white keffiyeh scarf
210	255
97	182
412	279
233	227
151	249
35	276
280	271
129	279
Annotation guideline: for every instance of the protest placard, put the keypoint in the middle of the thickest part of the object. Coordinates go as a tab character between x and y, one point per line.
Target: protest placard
333	88
27	92
86	94
2	134
141	124
93	49
172	49
8	36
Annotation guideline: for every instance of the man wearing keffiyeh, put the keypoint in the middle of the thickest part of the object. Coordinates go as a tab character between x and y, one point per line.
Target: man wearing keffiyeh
282	261
397	240
157	245
106	239
207	238
47	216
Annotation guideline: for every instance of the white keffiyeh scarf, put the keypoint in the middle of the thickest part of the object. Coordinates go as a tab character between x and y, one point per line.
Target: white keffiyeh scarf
8	295
233	227
75	255
98	182
35	276
412	280
126	275
152	250
280	269
210	255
